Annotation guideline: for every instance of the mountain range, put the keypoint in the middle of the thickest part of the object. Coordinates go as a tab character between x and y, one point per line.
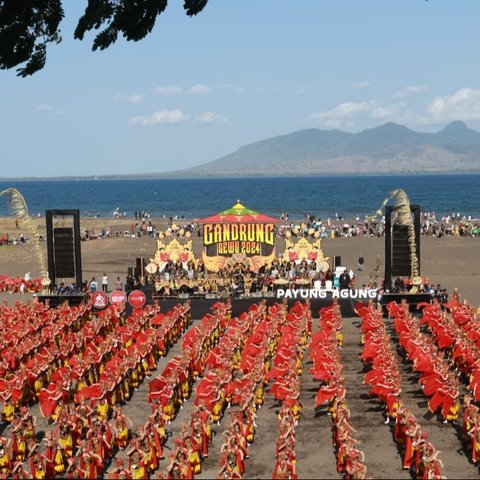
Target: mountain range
386	149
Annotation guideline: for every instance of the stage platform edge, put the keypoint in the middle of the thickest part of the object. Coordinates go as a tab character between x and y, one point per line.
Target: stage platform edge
413	299
201	306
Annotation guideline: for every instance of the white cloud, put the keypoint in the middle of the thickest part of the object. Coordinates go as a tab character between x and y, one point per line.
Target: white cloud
175	90
209	118
132	98
361	85
199	89
342	113
169	91
45	107
410	90
464	104
160	117
232	87
394	112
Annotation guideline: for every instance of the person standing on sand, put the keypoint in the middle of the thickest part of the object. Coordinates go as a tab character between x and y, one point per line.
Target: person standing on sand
93	285
344	280
118	284
105	282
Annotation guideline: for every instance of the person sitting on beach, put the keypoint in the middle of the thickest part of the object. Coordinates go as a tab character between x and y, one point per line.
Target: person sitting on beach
361	263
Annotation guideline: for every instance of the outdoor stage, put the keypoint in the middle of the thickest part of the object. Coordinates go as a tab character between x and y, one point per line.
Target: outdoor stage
201	306
56	300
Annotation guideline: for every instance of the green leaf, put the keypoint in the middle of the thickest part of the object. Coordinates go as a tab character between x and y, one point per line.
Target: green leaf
96	14
104	39
27	26
193	7
136	18
52	14
36	62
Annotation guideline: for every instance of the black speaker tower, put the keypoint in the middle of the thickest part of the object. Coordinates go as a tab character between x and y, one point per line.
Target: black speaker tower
397	247
63	247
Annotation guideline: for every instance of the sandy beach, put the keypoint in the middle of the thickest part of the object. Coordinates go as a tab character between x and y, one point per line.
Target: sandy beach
451	261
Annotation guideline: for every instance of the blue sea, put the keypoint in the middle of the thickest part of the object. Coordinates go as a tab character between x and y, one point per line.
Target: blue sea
347	196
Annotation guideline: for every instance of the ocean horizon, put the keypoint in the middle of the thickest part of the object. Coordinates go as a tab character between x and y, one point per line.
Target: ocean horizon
343	195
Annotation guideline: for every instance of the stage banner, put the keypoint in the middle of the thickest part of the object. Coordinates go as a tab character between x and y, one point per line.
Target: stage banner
229	239
238	235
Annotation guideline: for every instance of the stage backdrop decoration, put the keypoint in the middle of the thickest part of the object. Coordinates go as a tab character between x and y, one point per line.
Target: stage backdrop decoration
19	208
238	234
402	239
171	250
304	250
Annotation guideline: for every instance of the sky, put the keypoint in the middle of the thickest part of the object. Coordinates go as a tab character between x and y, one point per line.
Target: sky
241	71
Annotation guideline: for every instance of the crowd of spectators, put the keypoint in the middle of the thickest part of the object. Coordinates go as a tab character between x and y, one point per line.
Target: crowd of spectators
335	226
331	227
338	226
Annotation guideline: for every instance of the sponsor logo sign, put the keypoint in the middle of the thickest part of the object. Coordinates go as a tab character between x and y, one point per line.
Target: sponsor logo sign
99	299
137	299
117	297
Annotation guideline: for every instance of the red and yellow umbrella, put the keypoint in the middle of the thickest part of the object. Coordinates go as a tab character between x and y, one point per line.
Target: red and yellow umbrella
239	214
